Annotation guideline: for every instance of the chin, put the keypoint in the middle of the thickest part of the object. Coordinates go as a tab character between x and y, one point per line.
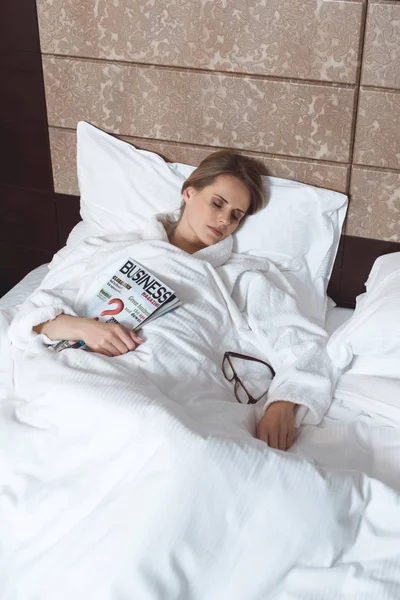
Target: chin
204	239
210	240
207	242
213	241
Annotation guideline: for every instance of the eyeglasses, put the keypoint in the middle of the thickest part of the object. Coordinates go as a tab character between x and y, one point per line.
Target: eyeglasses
229	363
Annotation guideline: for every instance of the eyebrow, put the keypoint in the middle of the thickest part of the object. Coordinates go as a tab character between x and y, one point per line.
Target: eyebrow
226	201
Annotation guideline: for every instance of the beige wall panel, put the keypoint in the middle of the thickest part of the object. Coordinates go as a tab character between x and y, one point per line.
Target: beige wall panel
63	161
381	60
275	117
63	155
374	209
377	140
308	39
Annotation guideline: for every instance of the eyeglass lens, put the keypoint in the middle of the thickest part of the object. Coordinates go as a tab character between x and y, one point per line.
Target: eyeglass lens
241	394
227	369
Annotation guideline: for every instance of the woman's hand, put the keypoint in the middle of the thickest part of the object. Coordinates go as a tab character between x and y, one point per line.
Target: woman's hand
276	427
110	339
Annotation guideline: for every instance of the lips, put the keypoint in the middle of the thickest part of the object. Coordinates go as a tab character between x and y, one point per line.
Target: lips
216	232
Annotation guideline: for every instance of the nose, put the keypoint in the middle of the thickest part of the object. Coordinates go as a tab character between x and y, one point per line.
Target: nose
224	217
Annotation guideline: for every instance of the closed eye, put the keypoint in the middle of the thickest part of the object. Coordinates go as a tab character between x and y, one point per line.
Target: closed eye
236	216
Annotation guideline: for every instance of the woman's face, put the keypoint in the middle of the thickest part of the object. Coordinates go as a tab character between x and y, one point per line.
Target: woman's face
214	212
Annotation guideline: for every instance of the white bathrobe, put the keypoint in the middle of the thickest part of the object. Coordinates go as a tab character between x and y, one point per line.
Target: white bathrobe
235	302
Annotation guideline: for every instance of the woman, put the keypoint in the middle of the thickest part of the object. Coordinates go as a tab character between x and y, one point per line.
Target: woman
217	198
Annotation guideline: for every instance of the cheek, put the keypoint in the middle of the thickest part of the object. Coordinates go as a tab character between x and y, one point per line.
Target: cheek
204	212
233	226
200	208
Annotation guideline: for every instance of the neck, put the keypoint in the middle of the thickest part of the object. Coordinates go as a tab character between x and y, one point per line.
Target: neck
179	237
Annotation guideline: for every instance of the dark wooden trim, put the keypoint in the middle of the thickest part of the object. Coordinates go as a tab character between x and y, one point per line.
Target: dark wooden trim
25	161
333	290
67	215
18	261
28	218
28	228
359	254
22	97
18	26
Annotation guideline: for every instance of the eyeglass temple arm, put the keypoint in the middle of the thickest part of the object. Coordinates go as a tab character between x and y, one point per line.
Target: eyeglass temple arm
251	358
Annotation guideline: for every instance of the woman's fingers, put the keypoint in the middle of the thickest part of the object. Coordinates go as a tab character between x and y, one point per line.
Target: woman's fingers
273	438
136	338
118	343
287	432
261	433
111	348
291	431
123	339
290	437
276	428
110	339
102	351
129	338
283	435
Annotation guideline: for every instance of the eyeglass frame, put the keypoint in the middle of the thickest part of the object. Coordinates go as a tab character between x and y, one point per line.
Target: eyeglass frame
236	378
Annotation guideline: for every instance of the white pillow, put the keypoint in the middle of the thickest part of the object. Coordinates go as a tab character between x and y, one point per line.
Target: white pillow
122	187
371	338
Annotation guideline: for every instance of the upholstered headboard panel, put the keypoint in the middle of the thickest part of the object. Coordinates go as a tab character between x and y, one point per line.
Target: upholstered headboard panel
310	87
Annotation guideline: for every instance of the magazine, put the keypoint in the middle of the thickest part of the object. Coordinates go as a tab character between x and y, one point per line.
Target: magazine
133	297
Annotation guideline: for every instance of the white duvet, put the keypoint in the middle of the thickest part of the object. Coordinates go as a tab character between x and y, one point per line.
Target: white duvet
137	477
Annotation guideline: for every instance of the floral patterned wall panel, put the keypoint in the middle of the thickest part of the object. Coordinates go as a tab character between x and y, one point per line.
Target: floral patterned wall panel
310	87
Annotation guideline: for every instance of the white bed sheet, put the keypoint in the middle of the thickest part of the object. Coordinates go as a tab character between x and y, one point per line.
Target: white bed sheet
336	316
26	286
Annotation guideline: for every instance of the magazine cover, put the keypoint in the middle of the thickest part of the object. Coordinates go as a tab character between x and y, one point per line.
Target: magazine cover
133	296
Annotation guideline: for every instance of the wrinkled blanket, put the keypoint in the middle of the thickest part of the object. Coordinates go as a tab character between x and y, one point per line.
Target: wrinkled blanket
139	477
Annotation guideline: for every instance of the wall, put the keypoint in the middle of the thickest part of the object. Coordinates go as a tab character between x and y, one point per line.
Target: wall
29	234
311	87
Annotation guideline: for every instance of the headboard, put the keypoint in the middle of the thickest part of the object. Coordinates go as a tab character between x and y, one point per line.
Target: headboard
302	87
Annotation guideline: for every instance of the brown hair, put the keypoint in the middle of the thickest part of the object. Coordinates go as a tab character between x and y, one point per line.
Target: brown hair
228	162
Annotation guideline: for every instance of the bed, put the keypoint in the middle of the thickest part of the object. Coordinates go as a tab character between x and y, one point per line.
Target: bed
109	491
78	536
